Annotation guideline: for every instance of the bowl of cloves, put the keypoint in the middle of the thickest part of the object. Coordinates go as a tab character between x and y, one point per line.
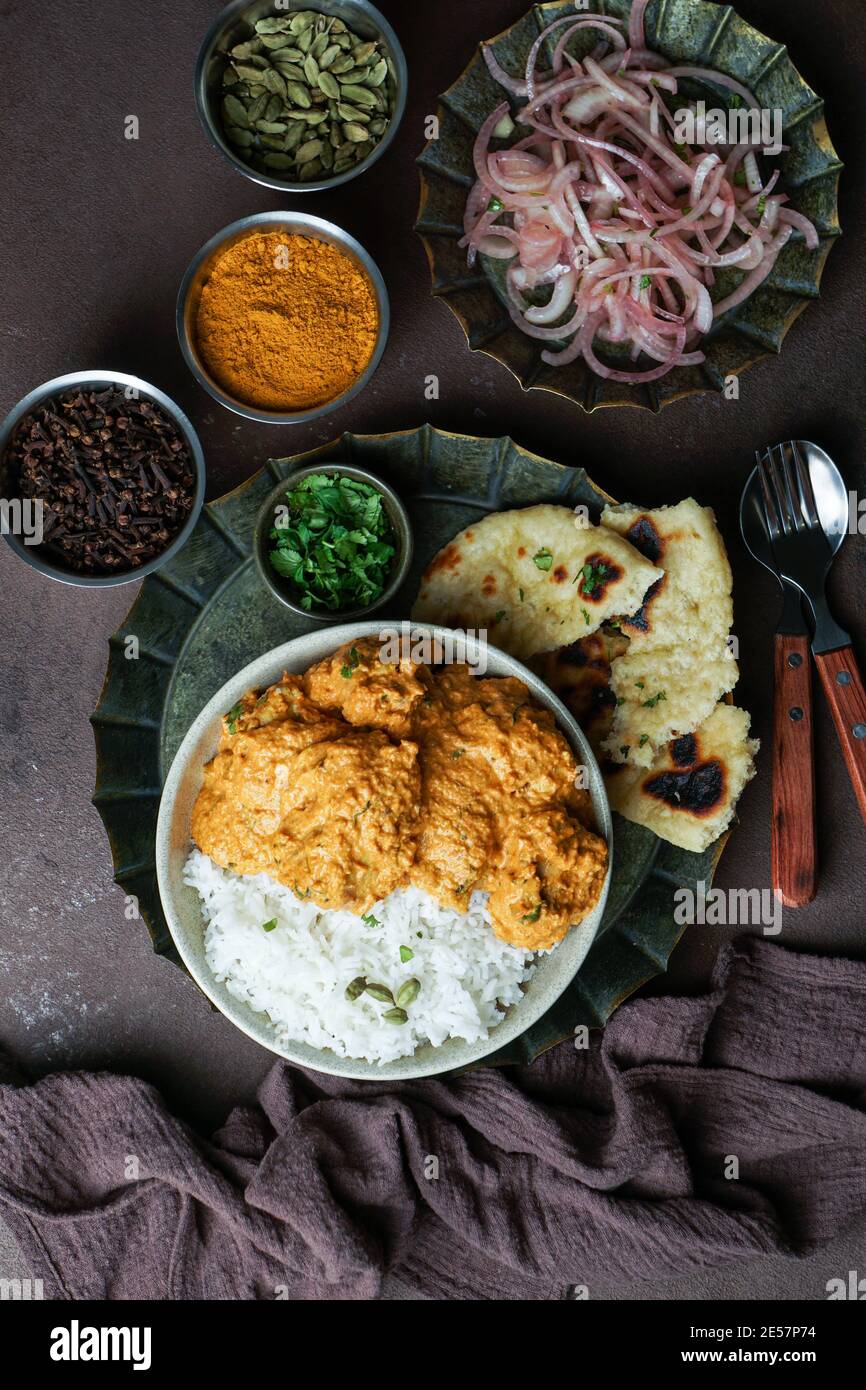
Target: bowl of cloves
102	478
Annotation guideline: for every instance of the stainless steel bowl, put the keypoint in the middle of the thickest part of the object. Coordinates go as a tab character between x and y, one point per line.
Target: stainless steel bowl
190	295
235	24
96	380
283	588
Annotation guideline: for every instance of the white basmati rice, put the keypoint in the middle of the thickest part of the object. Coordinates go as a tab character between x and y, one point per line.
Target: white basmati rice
297	972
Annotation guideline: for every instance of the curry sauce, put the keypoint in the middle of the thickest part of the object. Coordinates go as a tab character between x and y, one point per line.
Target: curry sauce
364	776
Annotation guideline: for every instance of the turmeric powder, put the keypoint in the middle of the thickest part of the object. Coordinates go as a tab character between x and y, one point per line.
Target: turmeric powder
286	322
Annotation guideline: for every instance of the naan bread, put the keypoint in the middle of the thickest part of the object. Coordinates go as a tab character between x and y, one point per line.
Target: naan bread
535	578
679	663
580	676
689	794
662	693
693	600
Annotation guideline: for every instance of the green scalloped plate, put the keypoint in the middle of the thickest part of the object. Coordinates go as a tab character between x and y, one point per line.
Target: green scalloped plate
206	614
685	31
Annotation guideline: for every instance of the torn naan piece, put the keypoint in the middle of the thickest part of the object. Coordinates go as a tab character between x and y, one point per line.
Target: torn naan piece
689	794
662	693
580	675
692	602
535	578
679	662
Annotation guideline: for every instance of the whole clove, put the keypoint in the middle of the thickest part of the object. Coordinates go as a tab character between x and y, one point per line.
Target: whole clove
115	476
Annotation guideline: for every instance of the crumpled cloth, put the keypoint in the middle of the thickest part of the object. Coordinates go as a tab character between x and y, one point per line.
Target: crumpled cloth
692	1132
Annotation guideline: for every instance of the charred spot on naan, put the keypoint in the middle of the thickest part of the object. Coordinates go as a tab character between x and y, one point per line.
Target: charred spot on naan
580	675
447	559
598	578
642	620
694	784
644	537
684	750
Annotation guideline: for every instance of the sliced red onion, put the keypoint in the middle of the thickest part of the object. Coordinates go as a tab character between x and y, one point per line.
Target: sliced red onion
754	182
752	281
802	224
598	203
563	294
514	85
636	33
549	335
720	79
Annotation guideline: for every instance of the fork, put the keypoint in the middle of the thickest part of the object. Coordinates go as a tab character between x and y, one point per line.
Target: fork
803	556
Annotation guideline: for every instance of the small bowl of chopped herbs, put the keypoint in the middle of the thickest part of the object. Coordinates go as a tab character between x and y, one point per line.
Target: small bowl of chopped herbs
333	542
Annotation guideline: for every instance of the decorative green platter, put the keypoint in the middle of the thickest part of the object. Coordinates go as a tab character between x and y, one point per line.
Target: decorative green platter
689	32
206	614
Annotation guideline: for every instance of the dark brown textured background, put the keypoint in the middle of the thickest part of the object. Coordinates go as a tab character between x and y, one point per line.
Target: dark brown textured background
95	235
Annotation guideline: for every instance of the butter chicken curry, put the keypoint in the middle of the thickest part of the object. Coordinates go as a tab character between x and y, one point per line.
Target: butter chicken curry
363	776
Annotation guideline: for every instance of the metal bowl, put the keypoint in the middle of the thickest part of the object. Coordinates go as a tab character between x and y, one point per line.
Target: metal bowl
283	589
182	907
193	281
95	380
235	24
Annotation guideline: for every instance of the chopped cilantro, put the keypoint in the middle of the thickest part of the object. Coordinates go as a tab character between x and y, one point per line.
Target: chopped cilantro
644	738
520	591
370	921
654	700
645	282
532	916
543	559
497	617
586	617
335	543
233	716
406	954
740	178
352	664
495	204
269	926
592	576
457	753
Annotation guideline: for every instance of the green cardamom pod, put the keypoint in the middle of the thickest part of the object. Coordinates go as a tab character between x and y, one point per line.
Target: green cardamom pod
408	992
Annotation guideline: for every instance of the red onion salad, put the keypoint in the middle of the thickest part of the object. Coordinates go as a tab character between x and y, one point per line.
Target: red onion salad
601	202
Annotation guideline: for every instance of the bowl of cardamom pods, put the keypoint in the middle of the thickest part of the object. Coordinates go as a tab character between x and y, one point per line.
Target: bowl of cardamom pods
301	98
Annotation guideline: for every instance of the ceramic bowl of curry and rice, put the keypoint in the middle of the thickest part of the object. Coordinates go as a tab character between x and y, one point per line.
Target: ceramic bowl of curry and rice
384	852
283	317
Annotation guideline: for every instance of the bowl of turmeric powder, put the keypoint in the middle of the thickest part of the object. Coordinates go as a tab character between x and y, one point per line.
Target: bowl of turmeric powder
283	317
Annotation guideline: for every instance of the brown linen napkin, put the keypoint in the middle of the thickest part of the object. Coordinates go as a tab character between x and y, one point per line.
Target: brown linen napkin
615	1162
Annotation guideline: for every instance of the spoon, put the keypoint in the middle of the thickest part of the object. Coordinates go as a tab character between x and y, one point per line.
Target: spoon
794	854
